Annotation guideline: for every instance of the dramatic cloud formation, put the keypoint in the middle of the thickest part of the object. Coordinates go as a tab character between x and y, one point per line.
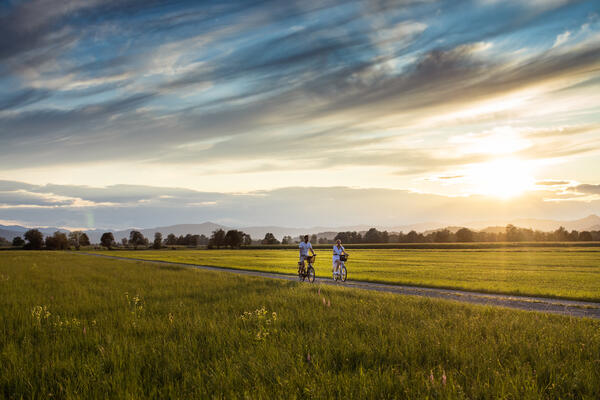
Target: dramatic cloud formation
105	103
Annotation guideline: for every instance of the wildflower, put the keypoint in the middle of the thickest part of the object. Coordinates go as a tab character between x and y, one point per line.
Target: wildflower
324	301
328	303
444	378
319	290
431	378
308	357
84	330
171	318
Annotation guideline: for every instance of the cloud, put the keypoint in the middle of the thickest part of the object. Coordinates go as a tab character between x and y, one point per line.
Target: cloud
147	206
257	86
585	188
553	183
22	98
562	38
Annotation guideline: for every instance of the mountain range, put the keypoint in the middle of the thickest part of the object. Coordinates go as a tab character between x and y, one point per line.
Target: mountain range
589	223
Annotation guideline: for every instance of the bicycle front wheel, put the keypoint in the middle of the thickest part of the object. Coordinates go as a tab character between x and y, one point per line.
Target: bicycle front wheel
343	274
311	274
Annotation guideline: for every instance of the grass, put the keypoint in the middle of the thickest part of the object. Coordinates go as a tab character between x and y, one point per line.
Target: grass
85	327
570	273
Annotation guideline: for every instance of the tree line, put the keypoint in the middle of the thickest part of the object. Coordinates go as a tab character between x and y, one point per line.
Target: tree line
465	235
33	239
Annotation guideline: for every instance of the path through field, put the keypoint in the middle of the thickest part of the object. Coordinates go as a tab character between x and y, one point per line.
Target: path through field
539	304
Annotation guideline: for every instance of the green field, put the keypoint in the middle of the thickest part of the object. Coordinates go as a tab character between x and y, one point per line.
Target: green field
571	273
77	327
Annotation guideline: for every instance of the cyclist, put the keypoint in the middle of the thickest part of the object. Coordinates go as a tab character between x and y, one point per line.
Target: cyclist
338	250
305	246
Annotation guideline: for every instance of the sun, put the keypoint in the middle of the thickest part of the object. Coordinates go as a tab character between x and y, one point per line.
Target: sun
503	178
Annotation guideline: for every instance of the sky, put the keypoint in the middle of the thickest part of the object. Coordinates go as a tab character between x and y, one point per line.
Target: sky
131	113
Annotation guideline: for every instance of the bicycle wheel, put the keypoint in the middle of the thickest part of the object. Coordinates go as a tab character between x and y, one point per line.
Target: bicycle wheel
301	275
343	273
311	274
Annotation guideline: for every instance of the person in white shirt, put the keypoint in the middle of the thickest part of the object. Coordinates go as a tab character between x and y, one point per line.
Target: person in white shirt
338	250
305	247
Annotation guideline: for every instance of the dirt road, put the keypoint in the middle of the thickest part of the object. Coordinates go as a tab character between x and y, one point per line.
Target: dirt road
539	304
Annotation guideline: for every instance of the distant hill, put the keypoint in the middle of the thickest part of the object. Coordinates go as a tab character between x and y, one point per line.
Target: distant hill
11	231
421	227
452	229
8	234
205	228
591	222
583	224
494	229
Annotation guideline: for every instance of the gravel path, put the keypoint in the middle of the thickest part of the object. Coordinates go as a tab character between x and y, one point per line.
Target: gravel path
540	304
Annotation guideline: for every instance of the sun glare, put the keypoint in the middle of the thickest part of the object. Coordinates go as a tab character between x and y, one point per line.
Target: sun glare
504	178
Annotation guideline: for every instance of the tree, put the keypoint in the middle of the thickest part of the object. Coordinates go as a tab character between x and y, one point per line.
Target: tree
464	235
247	240
234	238
157	240
171	240
286	240
195	240
270	239
513	234
18	241
84	240
58	241
124	242
375	236
4	242
137	239
348	237
78	239
441	236
107	240
561	234
35	239
573	236
413	237
584	236
217	239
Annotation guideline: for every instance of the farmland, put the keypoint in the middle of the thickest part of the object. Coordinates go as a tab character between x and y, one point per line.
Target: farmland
87	327
571	273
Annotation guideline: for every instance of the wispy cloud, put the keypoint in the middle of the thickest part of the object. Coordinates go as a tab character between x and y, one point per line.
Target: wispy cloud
562	38
400	91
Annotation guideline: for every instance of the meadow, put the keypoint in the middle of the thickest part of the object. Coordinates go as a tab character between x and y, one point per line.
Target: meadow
570	273
85	327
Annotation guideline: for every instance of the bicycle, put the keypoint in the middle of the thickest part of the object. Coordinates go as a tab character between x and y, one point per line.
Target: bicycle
343	271
308	271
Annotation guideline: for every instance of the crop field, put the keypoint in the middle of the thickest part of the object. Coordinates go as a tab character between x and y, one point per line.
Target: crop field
571	273
75	327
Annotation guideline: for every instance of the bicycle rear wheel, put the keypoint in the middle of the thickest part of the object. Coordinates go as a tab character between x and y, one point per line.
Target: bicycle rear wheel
301	275
311	274
343	273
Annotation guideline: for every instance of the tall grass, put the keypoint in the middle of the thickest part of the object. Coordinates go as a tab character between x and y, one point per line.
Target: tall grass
551	272
77	327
